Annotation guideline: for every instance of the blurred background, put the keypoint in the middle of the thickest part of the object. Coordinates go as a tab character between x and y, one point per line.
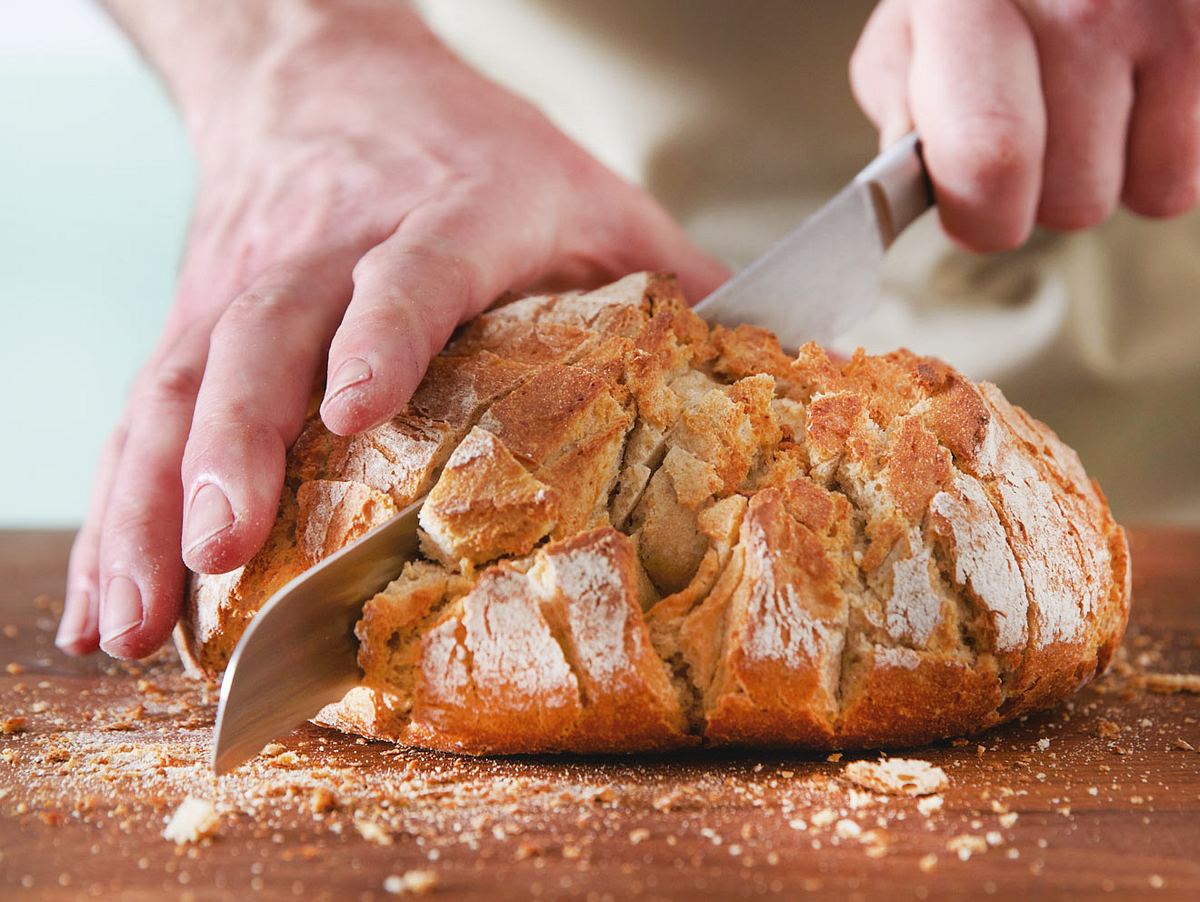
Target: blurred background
1095	333
95	186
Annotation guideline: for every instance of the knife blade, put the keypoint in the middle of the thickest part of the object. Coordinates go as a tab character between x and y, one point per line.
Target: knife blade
821	278
299	652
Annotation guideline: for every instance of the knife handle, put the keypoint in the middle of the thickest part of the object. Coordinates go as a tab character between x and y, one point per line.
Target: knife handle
899	186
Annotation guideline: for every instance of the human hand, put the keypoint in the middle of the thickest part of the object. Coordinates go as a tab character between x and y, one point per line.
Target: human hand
1051	111
361	193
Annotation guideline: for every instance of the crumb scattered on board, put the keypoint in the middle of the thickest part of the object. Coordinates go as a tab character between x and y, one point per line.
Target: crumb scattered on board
897	776
129	754
413	883
194	820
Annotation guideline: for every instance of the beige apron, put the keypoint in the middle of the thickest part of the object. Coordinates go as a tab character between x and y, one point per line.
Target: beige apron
738	117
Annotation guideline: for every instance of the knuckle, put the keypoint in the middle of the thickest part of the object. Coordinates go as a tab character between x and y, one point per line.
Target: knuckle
1163	202
1089	15
439	285
82	563
995	147
1065	215
174	383
129	521
259	308
985	233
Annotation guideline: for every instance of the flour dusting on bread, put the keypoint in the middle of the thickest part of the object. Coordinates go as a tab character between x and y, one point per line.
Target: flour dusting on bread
645	533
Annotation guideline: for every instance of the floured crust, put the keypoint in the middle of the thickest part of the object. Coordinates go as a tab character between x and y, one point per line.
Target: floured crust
645	534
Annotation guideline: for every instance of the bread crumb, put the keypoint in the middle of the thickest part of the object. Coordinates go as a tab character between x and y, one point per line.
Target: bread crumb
1185	745
835	757
1007	820
13	725
14	668
603	794
371	831
930	804
965	845
641	834
927	863
526	850
1043	744
194	820
322	801
1166	683
1106	729
271	749
668	801
848	829
1157	882
416	883
823	818
897	776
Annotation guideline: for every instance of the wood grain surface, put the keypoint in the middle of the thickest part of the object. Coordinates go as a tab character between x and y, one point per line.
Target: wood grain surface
1100	798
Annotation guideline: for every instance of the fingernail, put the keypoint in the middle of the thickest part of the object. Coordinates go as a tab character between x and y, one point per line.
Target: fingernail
208	514
120	609
74	620
352	372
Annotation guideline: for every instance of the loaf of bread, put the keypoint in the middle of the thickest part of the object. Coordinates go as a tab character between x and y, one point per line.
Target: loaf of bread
642	533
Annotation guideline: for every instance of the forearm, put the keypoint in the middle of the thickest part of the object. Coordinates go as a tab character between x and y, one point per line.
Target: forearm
211	54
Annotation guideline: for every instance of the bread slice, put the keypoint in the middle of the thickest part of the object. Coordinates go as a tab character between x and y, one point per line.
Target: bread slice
642	533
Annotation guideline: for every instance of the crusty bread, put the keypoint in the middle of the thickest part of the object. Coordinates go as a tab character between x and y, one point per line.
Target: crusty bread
641	534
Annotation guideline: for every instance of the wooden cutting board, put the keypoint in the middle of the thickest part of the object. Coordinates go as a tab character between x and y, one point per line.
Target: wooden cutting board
1101	797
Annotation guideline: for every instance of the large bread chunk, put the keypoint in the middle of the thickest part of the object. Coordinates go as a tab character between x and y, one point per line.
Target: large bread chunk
642	533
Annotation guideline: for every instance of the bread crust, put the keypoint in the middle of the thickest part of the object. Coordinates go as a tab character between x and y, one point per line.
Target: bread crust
645	534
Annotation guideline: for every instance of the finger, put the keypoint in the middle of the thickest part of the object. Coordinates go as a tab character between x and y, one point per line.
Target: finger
1162	175
976	99
262	361
140	571
78	630
442	265
1088	91
879	70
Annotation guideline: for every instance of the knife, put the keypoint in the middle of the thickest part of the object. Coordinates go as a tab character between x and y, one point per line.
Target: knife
299	652
820	279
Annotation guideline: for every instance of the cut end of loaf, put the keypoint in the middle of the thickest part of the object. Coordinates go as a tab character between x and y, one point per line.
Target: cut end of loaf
642	533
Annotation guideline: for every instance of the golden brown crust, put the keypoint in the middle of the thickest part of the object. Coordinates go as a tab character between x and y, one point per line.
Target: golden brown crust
645	534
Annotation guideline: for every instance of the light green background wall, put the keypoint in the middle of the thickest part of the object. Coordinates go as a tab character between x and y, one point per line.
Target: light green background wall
95	185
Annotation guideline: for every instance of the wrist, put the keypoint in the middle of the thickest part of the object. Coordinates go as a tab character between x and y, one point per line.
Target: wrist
217	60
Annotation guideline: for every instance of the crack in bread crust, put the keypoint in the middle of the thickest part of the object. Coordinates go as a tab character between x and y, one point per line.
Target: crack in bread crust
647	534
